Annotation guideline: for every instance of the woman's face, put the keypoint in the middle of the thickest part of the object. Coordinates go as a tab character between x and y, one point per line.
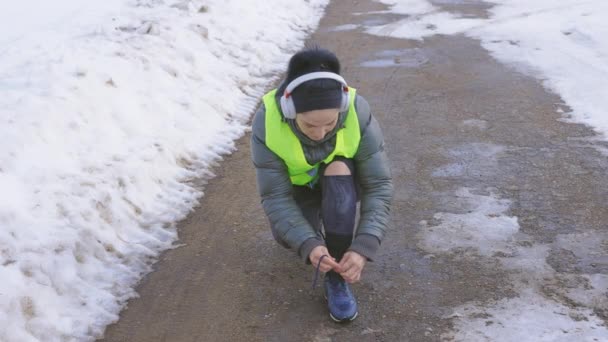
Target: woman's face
315	124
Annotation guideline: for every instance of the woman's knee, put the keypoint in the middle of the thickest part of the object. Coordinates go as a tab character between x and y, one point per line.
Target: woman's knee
337	168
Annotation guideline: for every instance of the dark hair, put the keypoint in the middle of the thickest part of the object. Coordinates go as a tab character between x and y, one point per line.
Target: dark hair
319	93
312	60
309	60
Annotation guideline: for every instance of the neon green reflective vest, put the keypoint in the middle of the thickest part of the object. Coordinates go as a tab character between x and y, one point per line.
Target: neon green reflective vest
281	140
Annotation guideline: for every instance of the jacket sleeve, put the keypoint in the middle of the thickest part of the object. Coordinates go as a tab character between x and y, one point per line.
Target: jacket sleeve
375	181
275	189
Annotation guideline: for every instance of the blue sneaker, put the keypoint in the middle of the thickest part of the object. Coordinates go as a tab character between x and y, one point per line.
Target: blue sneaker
340	299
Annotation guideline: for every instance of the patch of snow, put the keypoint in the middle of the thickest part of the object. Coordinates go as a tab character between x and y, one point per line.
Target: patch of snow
483	228
528	317
549	305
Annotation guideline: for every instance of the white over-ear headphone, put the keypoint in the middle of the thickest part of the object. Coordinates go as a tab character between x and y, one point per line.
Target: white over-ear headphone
287	105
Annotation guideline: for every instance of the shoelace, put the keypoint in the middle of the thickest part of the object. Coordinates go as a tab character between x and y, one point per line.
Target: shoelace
314	281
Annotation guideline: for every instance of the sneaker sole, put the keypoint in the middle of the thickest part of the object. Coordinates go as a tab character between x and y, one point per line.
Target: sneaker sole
342	320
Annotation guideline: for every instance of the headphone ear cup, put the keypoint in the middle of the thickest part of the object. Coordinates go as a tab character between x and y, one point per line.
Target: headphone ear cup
288	108
345	101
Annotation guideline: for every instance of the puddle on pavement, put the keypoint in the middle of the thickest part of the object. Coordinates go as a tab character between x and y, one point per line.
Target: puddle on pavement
458	2
465	8
409	58
342	28
375	21
369	19
379	18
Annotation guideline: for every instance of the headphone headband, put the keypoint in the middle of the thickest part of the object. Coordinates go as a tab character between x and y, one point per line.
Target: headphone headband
313	76
287	105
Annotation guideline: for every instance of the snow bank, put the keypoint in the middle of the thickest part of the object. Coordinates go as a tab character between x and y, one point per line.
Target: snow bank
108	110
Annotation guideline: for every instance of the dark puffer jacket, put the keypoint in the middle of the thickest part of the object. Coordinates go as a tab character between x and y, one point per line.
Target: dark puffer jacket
372	175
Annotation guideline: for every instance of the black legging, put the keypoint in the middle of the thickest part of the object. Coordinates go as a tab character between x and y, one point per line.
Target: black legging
333	201
338	210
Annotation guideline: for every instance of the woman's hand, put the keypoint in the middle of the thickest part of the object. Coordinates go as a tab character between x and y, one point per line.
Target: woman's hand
328	262
352	264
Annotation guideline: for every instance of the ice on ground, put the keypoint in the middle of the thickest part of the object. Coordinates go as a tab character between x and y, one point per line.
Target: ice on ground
484	228
471	160
529	317
411	7
481	125
579	290
584	281
549	305
561	43
589	247
417	27
410	58
342	28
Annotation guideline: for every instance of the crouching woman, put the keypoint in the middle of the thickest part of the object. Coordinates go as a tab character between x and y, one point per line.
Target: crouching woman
317	151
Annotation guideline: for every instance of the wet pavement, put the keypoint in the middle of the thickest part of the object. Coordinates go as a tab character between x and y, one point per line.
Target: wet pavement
472	143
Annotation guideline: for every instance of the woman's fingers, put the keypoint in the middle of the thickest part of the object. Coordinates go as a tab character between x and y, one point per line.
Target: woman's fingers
345	260
331	264
317	253
327	263
324	267
351	272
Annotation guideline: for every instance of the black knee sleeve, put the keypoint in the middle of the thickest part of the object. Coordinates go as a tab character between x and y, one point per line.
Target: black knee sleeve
339	206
